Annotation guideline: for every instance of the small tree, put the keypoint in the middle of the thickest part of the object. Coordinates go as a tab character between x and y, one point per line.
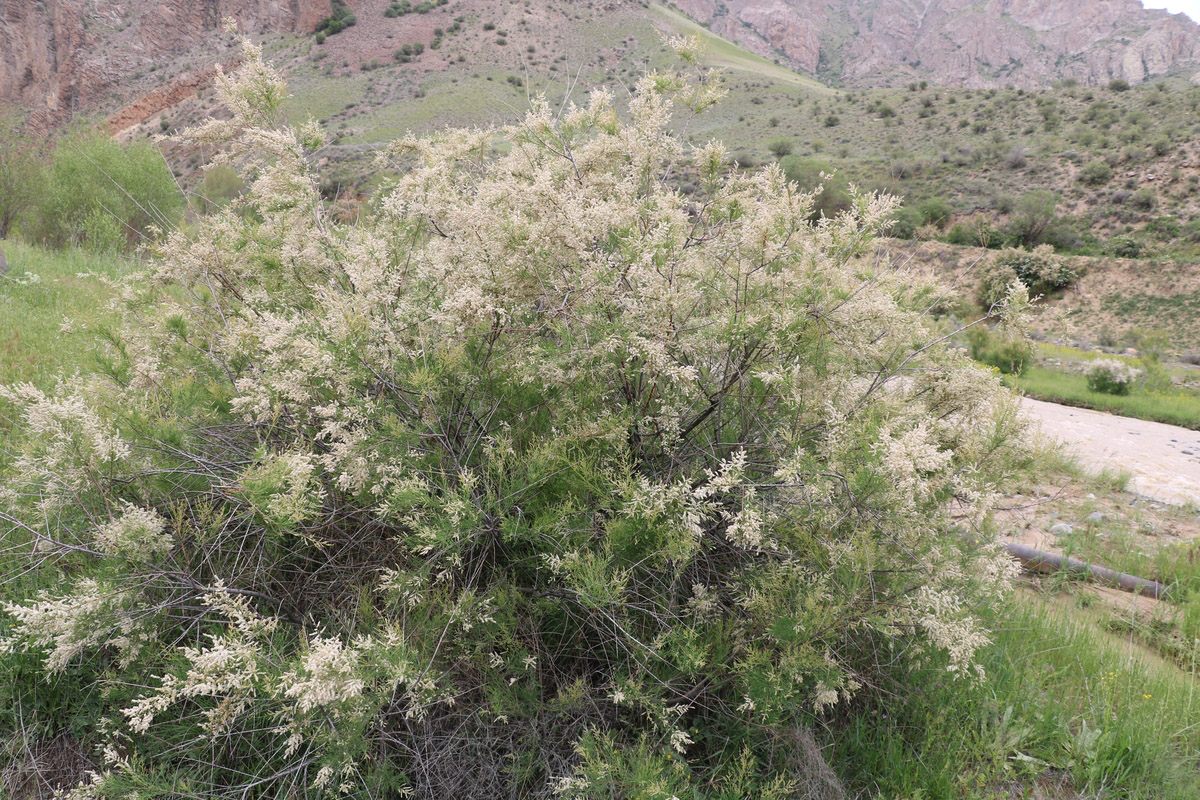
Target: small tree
1110	376
1095	173
20	165
936	212
100	195
832	191
1032	215
780	147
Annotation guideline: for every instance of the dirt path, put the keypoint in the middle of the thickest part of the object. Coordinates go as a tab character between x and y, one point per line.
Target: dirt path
1163	459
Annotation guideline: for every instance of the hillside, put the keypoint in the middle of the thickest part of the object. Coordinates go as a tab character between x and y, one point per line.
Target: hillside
1122	167
1025	43
66	57
1113	298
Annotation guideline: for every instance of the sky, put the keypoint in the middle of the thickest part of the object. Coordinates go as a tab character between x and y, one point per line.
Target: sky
1189	7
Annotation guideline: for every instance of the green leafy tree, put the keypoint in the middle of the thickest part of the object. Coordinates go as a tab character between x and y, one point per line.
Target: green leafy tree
936	212
20	168
814	175
221	184
100	195
1095	173
1032	215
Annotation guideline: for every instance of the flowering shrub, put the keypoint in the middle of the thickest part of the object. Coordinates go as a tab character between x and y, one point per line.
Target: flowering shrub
1039	270
544	478
1110	376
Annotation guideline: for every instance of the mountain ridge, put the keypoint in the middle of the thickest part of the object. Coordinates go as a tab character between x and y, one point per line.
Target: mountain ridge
970	43
132	59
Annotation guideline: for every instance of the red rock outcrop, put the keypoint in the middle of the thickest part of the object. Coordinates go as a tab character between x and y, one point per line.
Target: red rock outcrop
62	56
960	42
160	99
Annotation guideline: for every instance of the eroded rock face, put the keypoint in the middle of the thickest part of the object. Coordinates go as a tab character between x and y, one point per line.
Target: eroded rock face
61	56
959	42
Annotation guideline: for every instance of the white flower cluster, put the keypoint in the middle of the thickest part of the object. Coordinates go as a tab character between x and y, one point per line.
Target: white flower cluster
1111	376
90	615
67	443
138	533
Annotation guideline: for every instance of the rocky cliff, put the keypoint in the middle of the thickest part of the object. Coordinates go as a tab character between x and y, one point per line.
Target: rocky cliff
62	56
959	42
130	59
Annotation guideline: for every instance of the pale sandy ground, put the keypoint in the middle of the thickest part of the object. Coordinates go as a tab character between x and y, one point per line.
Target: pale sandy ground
1163	459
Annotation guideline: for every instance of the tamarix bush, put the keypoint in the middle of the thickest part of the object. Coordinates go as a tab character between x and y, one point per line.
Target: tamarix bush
543	479
1110	376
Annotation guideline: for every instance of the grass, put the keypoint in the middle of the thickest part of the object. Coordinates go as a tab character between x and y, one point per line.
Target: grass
722	53
1063	702
1175	564
1179	313
1176	407
42	291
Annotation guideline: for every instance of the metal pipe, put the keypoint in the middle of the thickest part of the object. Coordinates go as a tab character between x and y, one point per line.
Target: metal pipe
1042	561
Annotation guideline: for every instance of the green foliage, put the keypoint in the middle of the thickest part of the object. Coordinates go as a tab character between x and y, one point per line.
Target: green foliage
44	288
780	147
398	9
535	480
1066	706
1174	406
1118	85
1039	270
906	221
102	196
977	231
935	212
1124	246
813	175
1144	199
221	184
341	18
1110	377
1095	173
1033	214
1009	354
20	170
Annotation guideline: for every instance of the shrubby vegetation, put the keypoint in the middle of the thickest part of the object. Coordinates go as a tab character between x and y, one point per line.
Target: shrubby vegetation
1110	376
1039	270
1095	173
1008	353
543	479
20	167
341	18
87	191
831	191
101	196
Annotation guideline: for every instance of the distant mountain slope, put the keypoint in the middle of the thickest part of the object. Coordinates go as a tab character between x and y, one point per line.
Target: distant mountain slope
59	57
976	43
